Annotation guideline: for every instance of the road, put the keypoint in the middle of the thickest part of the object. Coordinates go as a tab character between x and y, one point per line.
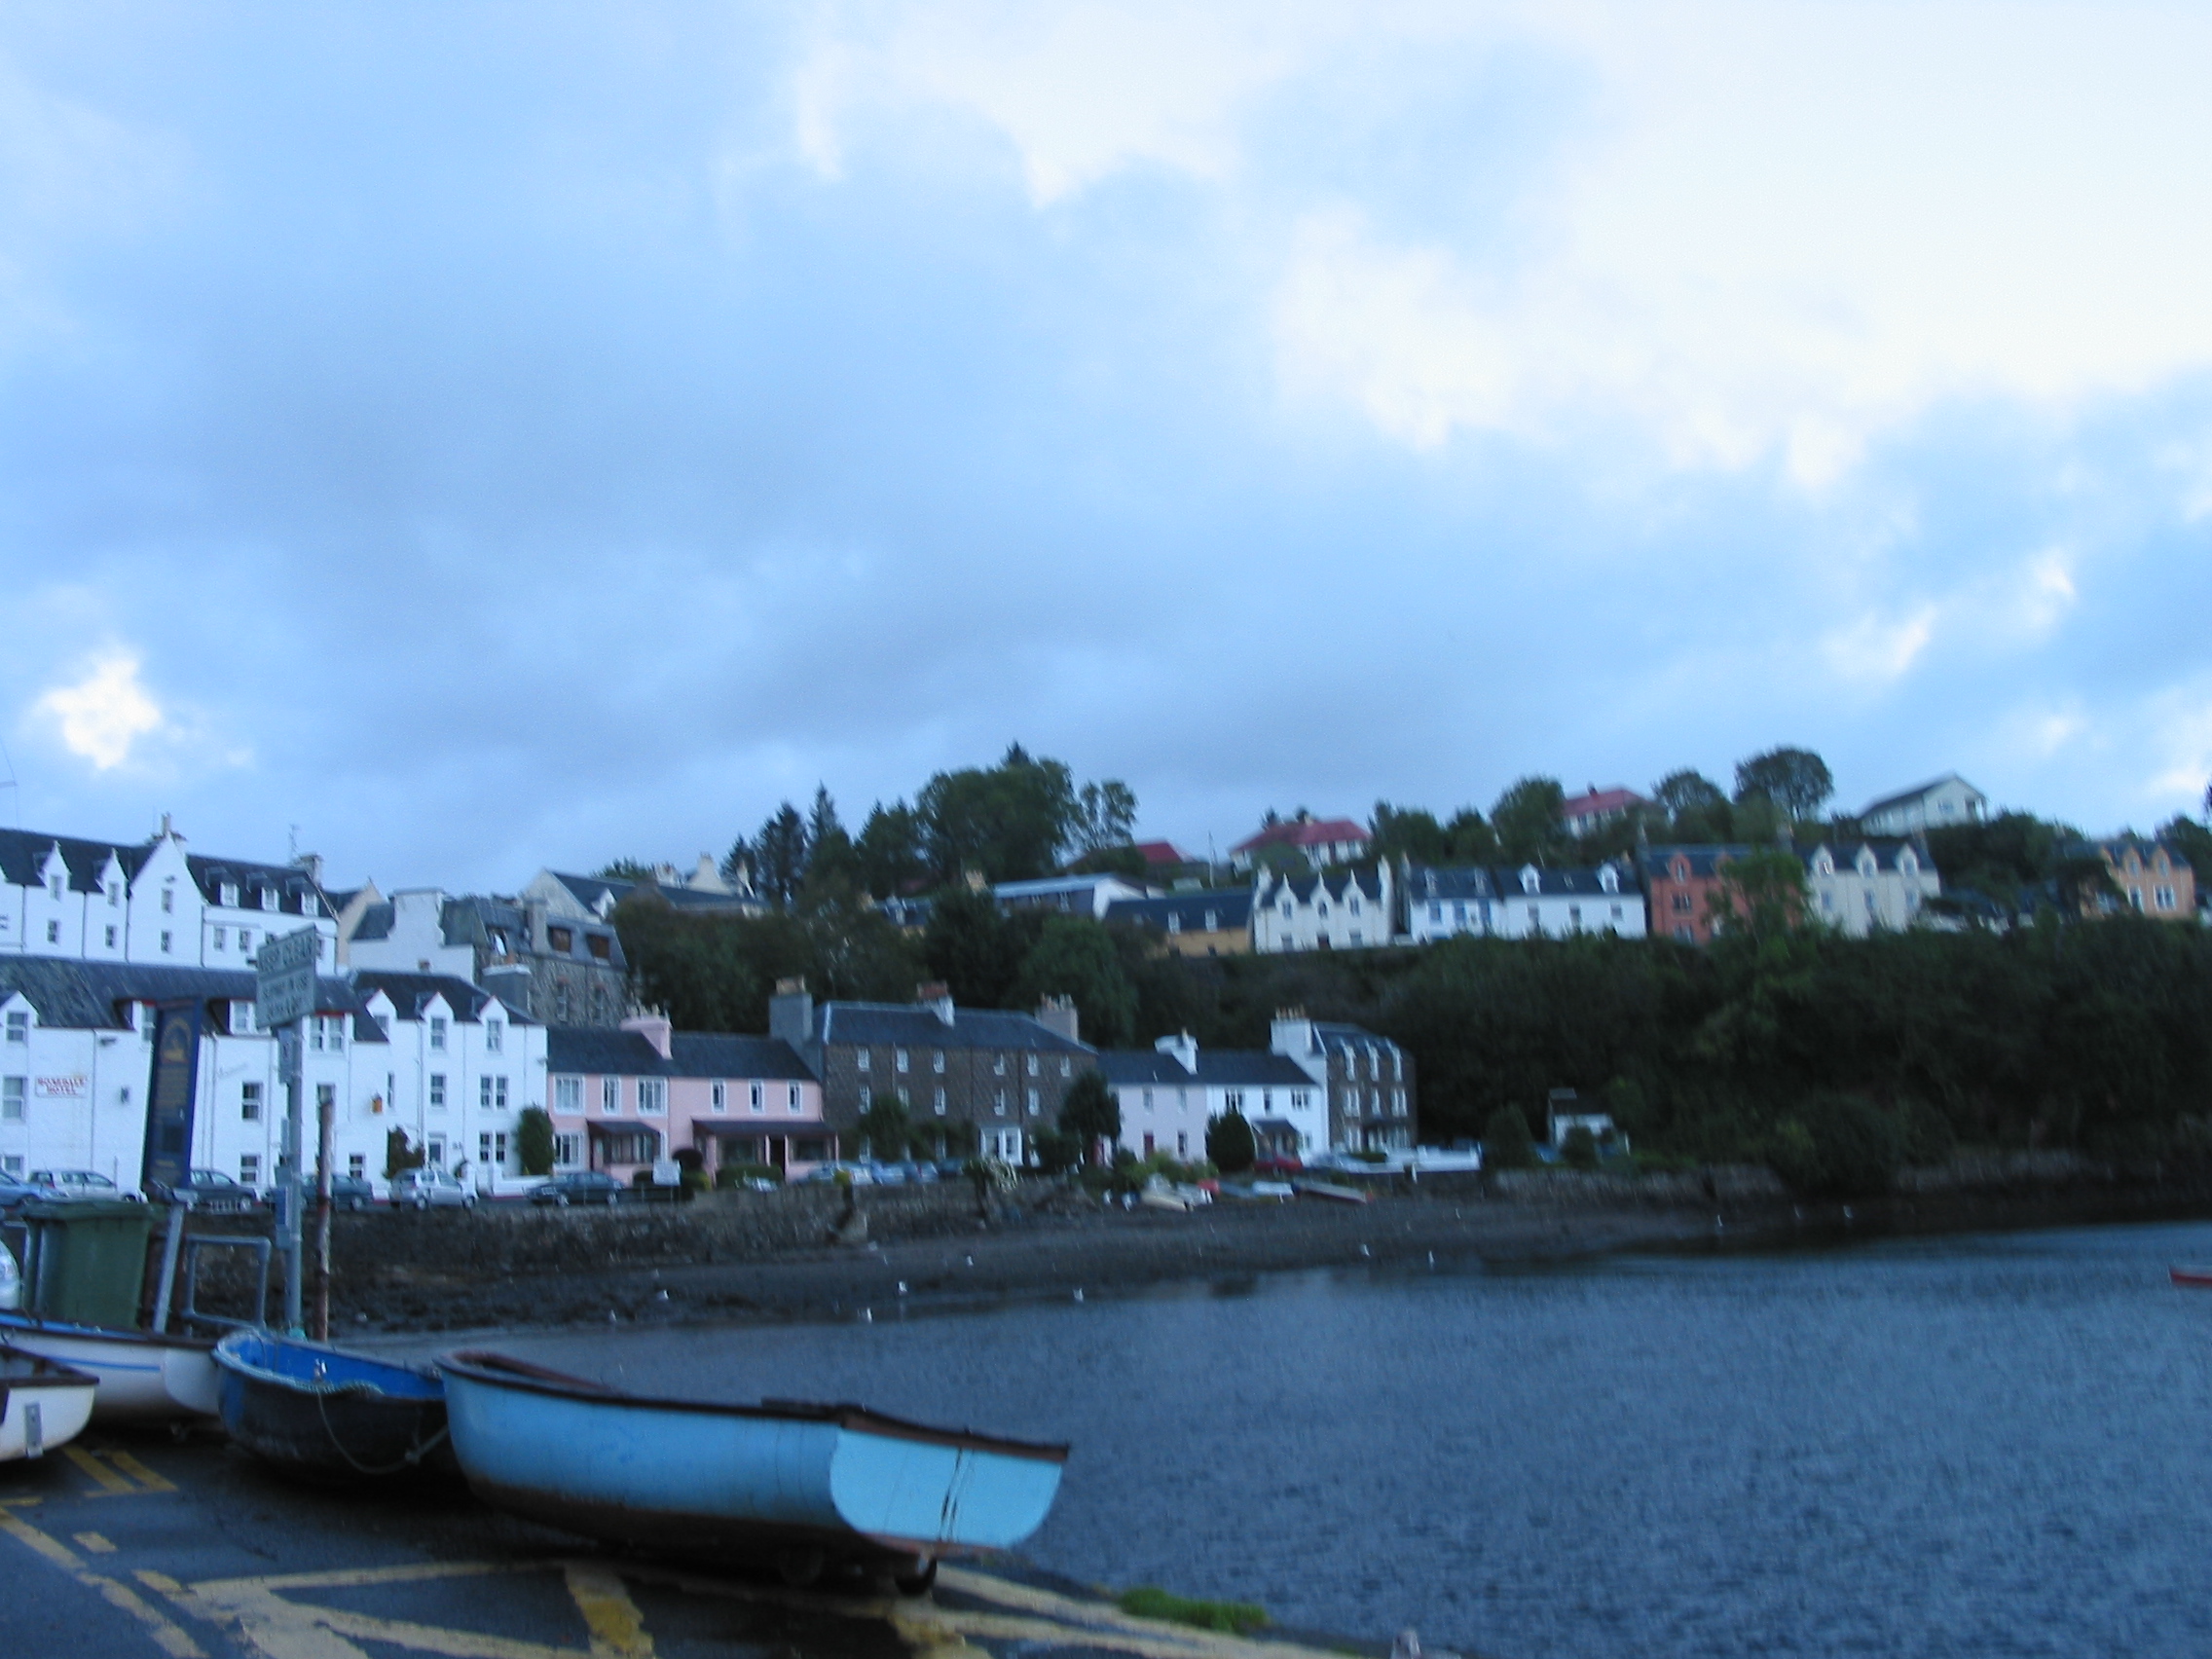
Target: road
116	1548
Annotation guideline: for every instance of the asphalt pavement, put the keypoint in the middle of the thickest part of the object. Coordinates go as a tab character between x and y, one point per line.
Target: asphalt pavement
153	1546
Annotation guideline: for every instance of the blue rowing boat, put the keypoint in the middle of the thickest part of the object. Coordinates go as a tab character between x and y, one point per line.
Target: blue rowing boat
325	1412
797	1484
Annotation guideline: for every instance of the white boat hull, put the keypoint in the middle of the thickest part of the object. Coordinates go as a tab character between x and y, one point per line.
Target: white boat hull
42	1412
142	1378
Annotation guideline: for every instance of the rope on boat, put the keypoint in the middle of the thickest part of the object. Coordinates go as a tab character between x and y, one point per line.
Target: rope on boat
414	1455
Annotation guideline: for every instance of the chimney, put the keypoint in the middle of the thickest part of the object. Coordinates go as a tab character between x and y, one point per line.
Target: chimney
510	984
1058	1013
790	1014
1183	1047
654	1028
1292	1037
936	997
534	913
311	863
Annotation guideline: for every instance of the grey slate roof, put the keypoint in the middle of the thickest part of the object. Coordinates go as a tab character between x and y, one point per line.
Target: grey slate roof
1425	883
410	991
91	995
1704	859
24	851
1230	907
1336	881
1914	793
289	882
1218	1068
1335	1037
860	1024
578	1049
591	889
1579	882
1885	849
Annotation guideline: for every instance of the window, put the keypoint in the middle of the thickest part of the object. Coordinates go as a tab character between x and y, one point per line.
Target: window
1213	921
1067	1066
306	904
111	939
1436	912
334	1032
1682	904
653	1094
249	1169
898	1060
861	1060
438	1033
568	1095
998	1104
720	1096
1035	1105
491	1149
494	1035
357	1166
217	939
227	895
492	1093
1536	918
1575	917
245	939
903	1101
561	940
2164	898
600	950
1233	1100
1032	1065
611	1094
792	1096
565	1149
326	1096
437	1091
1174	922
166	942
114	894
269	897
434	1152
168	898
249	1102
998	1064
758	1094
54	886
867	1097
53	933
12	1092
936	1062
938	1105
19	1026
1182	1144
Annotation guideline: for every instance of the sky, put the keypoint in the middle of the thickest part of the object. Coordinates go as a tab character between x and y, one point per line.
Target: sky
462	439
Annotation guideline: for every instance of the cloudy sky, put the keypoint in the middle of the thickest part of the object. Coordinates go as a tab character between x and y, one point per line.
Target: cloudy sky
490	436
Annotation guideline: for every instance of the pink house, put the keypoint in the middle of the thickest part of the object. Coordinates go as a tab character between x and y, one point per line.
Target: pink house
622	1099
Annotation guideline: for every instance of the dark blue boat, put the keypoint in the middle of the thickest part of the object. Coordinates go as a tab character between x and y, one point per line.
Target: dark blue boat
320	1411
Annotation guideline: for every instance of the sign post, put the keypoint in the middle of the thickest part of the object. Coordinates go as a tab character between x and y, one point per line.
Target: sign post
284	999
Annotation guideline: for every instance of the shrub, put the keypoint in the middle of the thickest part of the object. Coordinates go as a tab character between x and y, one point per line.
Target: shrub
1091	1112
534	1141
1836	1145
398	1156
1057	1151
1229	1144
1580	1149
1506	1141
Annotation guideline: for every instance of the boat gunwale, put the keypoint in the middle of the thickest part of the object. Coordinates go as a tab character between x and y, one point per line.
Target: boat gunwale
247	1371
32	1325
45	1372
503	1371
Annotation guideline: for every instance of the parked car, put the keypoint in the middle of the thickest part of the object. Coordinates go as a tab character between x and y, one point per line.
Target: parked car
579	1186
424	1189
80	1184
208	1190
859	1174
16	1191
10	1280
351	1192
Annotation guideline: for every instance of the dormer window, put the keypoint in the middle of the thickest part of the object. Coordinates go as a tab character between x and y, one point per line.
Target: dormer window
1529	879
1213	921
494	1035
1681	870
269	897
227	895
437	1032
1609	879
1866	865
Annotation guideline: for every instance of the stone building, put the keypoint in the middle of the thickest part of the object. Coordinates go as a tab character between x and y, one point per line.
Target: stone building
1366	1081
562	969
1002	1075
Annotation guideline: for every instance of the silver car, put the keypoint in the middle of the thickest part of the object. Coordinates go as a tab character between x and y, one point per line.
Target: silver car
424	1189
79	1184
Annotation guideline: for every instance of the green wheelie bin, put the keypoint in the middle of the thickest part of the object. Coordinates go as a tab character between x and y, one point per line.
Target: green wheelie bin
88	1260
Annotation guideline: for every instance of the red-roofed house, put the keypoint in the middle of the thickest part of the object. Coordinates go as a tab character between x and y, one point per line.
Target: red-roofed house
1596	807
1162	854
1319	840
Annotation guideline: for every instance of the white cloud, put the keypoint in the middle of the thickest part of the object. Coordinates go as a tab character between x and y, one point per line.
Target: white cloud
103	715
1775	230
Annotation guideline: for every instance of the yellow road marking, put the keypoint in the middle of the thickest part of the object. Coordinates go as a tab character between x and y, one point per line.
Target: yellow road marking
168	1635
110	1481
353	1577
94	1543
618	1631
138	1471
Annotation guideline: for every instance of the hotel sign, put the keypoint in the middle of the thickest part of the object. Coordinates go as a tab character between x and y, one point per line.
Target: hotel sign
69	1087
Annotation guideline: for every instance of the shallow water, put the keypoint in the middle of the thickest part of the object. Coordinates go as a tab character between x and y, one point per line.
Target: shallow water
1985	1445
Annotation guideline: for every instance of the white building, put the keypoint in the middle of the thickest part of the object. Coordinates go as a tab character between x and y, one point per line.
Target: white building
1560	904
1950	800
1861	886
1070	894
153	904
1168	1094
434	1056
1345	909
1448	904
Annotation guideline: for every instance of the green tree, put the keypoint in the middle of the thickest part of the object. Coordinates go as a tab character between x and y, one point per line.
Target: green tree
1761	894
1506	1141
890	852
883	1126
1009	821
400	1156
1229	1144
1578	1148
624	869
1076	957
830	858
1470	839
1408	832
1528	821
1057	1151
779	855
1091	1112
1795	779
976	949
1105	816
533	1140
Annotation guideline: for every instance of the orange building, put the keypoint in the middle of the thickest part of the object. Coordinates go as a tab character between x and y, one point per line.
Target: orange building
2153	877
